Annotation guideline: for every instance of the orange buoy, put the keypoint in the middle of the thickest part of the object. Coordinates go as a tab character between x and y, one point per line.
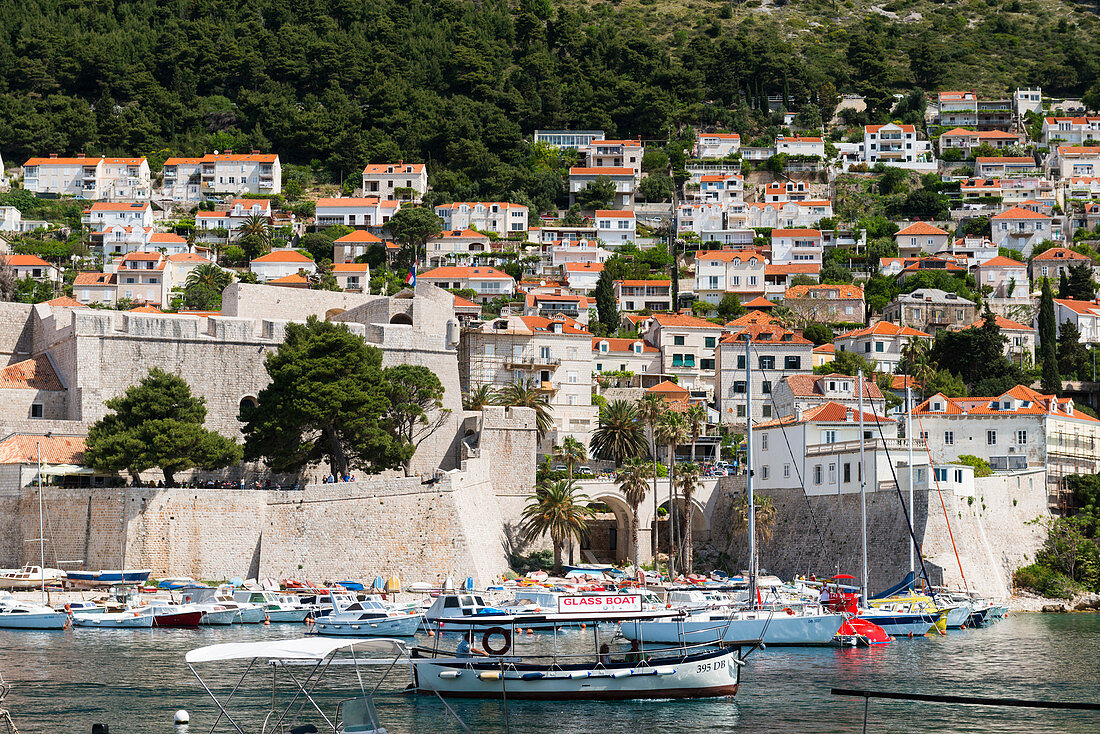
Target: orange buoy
584	626
431	633
530	631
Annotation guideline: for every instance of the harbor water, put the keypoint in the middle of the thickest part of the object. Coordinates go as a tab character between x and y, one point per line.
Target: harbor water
134	680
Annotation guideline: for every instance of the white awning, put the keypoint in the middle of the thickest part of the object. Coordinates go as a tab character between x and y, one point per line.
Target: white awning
304	648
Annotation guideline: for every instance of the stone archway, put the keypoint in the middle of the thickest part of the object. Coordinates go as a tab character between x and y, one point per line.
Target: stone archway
401	318
609	533
333	313
700	525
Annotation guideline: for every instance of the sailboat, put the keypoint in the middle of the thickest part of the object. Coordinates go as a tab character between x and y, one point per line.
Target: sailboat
807	625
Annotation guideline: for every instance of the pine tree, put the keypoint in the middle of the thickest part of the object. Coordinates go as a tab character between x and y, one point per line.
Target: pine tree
606	308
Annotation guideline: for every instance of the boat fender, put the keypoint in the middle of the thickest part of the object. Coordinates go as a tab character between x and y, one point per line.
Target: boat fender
450	674
68	609
487	638
789	611
666	671
621	673
579	674
532	676
489	675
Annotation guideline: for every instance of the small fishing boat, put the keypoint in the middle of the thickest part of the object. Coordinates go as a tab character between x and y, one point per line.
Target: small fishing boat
682	671
452	605
29	577
175	583
16	614
221	599
367	618
176	616
98	579
278	607
114	620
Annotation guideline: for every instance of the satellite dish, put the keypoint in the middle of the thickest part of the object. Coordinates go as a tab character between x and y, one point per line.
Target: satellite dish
215	152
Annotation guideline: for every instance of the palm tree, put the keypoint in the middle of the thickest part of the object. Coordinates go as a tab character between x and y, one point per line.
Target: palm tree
671	431
696	419
254	235
524	394
558	511
765	516
210	275
477	398
688	482
619	436
650	408
632	479
571	452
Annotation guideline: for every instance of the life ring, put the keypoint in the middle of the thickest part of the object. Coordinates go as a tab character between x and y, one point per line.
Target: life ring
789	611
494	631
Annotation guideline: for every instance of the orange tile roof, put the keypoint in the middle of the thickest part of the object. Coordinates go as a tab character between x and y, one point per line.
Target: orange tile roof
1027	402
765	333
1090	308
23	448
921	228
793	269
187	257
283	256
668	387
796	233
830	412
398	168
543	324
1020	213
27	261
65	302
614	214
826	348
292	279
584	267
720	136
808	385
1060	253
467	271
240	158
633	283
900	382
752	318
350	268
167	237
759	302
615	344
461	302
885	328
183	161
1003	262
729	255
681	321
93	278
108	206
145	309
35	373
358	235
904	128
1078	149
843	290
80	161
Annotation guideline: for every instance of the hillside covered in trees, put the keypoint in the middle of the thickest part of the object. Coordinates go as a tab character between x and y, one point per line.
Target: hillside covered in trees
337	83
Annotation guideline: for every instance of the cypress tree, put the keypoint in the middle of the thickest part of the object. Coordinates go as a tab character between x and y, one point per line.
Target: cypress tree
1063	284
1051	380
606	308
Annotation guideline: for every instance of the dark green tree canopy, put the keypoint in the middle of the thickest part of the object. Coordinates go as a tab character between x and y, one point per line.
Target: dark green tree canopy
606	306
412	227
157	423
326	402
416	405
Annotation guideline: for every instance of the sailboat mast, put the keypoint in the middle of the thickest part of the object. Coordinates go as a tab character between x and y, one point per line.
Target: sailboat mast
909	443
862	485
748	471
41	533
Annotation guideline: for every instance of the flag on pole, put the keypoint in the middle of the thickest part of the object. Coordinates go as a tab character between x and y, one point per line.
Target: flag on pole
410	279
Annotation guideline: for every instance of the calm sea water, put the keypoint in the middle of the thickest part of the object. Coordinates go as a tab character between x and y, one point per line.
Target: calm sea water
133	680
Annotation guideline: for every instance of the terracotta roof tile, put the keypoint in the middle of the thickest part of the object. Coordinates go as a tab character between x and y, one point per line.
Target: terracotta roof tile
35	373
23	448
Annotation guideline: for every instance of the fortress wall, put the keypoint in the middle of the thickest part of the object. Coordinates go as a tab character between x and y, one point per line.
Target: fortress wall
286	304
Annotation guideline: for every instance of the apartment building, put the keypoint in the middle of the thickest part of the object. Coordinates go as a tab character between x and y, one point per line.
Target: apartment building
353	277
564	252
1021	229
826	304
222	174
487	282
616	226
1085	315
717	145
930	309
140	277
883	342
643	295
107	214
575	139
614	154
453	243
796	245
968	140
819	450
788	214
88	178
623	178
1080	130
404	181
718	272
231	220
1004	166
94	287
896	145
800	145
965	108
582	277
34	267
500	217
776	353
722	188
558	302
555	354
280	264
628	355
687	347
368	211
1007	279
1016	430
1070	161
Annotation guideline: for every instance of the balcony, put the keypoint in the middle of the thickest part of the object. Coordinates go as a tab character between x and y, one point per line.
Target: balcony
530	362
548	387
874	444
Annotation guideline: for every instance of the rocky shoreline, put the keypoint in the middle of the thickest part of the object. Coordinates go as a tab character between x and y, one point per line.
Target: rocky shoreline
1023	601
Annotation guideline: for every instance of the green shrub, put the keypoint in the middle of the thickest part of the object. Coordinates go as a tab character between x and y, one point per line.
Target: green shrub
1045	581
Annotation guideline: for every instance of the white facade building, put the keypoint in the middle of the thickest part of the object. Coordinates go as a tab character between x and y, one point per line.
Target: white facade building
405	181
89	178
616	226
499	217
368	211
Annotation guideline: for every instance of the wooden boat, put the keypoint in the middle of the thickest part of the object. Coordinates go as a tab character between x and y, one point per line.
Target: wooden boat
29	577
99	579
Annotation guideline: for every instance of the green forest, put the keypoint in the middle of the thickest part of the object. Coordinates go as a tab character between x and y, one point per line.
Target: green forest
333	84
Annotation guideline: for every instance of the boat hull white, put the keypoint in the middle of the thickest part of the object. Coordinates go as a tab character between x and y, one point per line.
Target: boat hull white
34	621
219	617
780	629
902	624
113	620
405	626
957	616
287	615
716	674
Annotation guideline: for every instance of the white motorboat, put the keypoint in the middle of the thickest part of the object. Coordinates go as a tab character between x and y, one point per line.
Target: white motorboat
774	627
683	671
221	599
279	607
216	615
29	577
16	614
114	620
453	605
367	618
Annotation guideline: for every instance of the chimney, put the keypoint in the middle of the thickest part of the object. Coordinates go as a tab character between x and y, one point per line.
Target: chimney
228	151
78	155
255	152
53	155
